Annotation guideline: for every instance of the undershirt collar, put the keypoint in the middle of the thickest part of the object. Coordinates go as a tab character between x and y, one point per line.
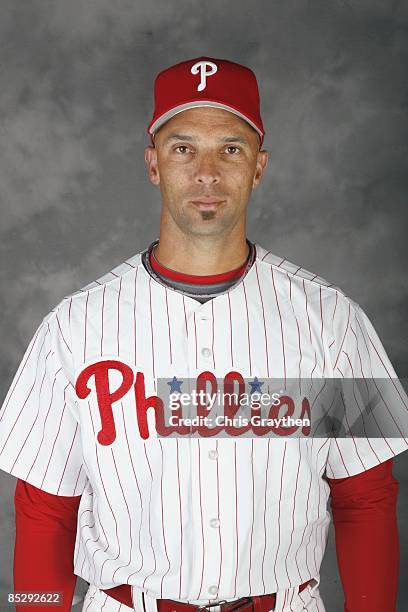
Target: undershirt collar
197	279
193	285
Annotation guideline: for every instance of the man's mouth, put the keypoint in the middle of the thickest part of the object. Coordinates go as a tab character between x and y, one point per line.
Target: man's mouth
207	202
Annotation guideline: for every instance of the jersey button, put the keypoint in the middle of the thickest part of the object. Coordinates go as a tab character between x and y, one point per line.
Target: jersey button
213	454
213	589
206	352
215	522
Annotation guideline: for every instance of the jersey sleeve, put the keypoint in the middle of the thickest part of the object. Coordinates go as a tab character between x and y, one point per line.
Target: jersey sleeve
40	439
375	405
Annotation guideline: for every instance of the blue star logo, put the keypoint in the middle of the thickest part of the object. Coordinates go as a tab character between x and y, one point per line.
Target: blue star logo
175	385
256	385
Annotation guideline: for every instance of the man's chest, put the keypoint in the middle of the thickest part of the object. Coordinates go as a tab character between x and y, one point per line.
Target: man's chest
256	329
135	342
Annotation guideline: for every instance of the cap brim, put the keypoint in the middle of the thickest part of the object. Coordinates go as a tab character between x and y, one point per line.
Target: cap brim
178	109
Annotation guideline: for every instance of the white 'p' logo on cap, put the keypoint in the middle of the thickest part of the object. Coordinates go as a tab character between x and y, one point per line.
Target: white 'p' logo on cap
201	67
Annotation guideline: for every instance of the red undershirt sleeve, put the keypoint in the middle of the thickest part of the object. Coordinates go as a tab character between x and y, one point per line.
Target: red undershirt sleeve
44	545
366	533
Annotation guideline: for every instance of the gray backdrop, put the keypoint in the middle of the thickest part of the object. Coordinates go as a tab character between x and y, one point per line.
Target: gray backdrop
76	96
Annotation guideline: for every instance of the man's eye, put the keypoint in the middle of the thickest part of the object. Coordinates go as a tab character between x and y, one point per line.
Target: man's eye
181	149
232	150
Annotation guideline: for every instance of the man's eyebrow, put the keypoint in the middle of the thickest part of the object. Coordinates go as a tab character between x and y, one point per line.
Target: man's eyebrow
239	139
178	137
185	137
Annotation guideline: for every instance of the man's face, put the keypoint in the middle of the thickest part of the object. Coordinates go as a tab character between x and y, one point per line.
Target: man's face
206	161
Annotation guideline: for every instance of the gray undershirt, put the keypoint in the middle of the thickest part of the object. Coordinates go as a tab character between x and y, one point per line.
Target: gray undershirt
202	292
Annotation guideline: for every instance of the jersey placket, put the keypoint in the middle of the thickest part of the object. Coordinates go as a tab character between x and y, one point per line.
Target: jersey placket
205	461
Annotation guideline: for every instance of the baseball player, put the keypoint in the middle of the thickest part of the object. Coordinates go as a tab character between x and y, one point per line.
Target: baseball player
157	522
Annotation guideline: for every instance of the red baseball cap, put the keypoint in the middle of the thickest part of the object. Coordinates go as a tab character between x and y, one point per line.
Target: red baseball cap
205	81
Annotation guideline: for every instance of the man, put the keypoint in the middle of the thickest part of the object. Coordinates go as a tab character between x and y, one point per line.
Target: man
155	521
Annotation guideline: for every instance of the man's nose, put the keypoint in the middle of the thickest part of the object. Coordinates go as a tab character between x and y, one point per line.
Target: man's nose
207	171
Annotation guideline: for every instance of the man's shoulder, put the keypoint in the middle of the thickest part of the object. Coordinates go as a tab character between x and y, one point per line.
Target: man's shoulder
293	270
60	314
78	298
110	278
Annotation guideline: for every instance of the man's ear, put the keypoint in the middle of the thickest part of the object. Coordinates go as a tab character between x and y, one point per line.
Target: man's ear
151	163
261	164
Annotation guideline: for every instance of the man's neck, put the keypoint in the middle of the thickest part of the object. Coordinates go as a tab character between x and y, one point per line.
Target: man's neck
202	257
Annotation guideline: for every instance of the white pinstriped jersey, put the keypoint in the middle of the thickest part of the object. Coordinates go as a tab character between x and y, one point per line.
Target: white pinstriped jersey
192	519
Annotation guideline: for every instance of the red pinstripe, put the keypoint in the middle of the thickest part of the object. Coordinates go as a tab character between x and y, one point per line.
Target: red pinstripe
321	330
168	326
181	518
151	331
201	516
335	306
236	516
128	513
253	515
162	515
102	313
230	324
89	602
218	507
97	514
293	519
118	317
281	325
248	334
62	335
140	497
114	518
263	316
316	527
306	518
82	544
85	322
80	547
308	543
76	482
359	358
279	512
149	515
298	331
212	326
185	316
341	456
344	337
134	315
265	497
349	429
310	331
195	339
